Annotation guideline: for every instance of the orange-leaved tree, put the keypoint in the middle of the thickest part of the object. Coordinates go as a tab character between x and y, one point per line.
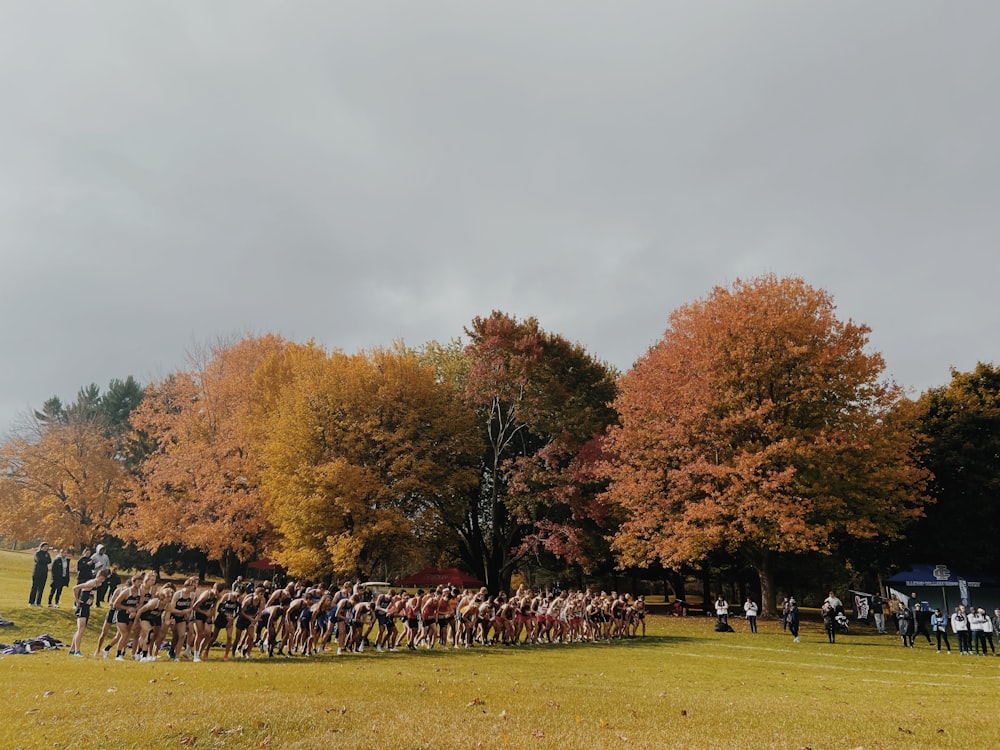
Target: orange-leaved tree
62	475
198	484
64	482
759	425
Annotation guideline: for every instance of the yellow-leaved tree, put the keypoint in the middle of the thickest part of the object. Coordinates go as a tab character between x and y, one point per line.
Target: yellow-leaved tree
359	451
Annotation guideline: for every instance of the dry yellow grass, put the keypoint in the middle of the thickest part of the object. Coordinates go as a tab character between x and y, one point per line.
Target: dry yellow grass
683	686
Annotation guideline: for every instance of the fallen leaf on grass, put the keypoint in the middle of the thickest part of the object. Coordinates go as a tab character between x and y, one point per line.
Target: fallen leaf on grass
905	731
32	711
112	690
552	704
47	693
217	730
538	733
503	714
188	740
477	701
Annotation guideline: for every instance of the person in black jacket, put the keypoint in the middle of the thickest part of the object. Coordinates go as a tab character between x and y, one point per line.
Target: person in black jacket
84	567
792	619
60	577
39	575
921	619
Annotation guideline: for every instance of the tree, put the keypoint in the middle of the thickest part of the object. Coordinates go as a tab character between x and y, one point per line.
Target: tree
63	476
759	425
361	452
63	483
539	400
961	424
197	484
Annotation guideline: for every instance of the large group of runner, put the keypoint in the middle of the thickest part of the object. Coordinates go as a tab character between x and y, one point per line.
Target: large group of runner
147	620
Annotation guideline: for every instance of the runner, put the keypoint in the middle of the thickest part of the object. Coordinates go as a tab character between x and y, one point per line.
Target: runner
83	596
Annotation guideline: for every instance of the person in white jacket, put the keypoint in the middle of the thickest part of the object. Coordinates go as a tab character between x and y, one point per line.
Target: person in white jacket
987	632
722	610
960	624
977	623
750	609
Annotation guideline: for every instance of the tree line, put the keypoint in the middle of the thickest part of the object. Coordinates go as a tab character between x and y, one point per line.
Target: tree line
759	432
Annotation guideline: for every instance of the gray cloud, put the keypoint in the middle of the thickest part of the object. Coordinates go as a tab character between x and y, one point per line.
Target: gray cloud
357	173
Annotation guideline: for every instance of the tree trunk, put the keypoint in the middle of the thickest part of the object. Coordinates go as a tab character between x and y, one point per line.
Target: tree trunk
677	580
229	564
706	592
768	605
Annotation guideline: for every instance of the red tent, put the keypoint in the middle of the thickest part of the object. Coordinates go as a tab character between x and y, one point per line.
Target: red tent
440	577
263	564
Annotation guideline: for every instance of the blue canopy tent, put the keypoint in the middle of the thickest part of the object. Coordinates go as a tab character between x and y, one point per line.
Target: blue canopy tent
938	586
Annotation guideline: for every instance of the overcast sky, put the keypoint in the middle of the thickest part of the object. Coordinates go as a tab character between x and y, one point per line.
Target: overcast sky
360	172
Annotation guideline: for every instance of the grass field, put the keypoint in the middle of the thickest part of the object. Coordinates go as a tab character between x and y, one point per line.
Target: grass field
683	686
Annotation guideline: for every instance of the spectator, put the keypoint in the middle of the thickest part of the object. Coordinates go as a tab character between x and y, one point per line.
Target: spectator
785	607
977	632
921	619
39	575
904	618
987	632
722	610
792	619
101	562
84	567
60	577
960	624
878	608
750	609
832	606
939	624
111	583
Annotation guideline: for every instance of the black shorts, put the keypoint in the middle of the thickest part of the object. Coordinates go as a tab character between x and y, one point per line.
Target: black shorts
242	623
200	616
83	611
124	617
221	621
111	617
154	620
